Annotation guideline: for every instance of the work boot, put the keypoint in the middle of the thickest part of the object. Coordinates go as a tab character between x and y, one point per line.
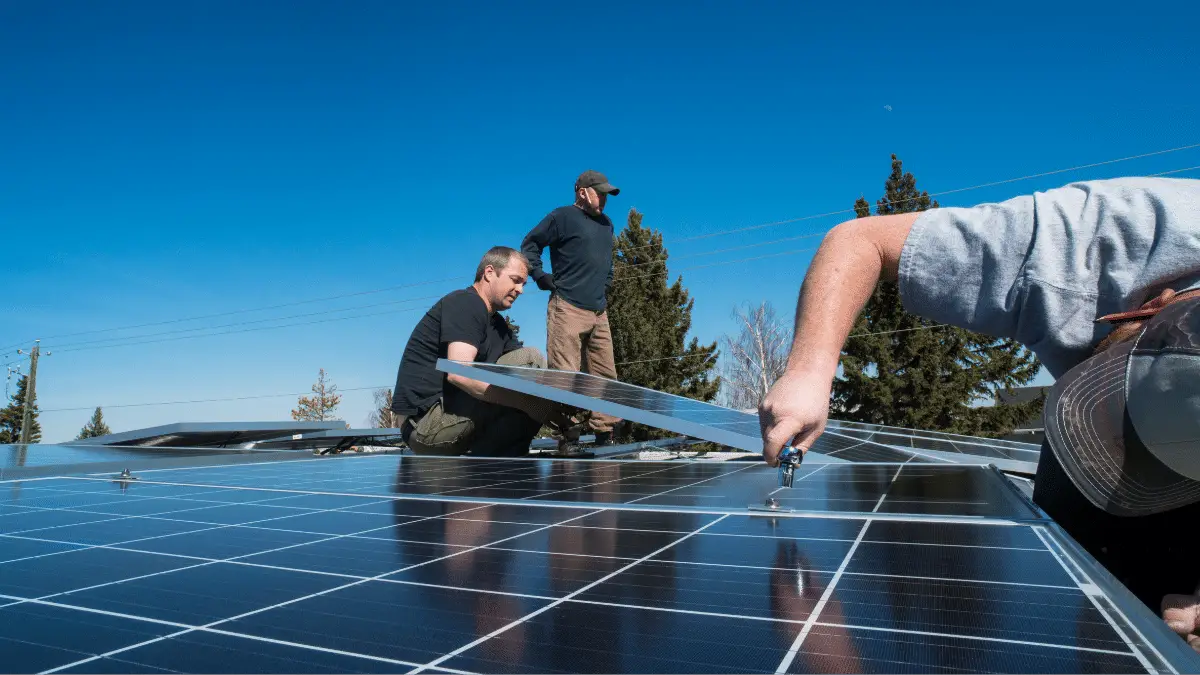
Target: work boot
604	438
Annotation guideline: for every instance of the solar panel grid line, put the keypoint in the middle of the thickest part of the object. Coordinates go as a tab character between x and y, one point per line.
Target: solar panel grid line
798	513
790	655
747	617
137	516
899	576
934	435
158	516
189	629
615	480
438	661
885	492
522	480
134	541
1085	585
634	501
910	451
902	631
978	638
213	561
325	592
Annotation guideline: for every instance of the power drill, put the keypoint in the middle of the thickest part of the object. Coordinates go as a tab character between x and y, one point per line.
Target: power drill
789	459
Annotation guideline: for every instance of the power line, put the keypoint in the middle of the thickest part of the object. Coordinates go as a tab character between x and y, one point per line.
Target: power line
619	279
302	393
882	332
717	264
693	238
68	346
136	339
231	332
202	400
1167	173
945	192
728	250
245	311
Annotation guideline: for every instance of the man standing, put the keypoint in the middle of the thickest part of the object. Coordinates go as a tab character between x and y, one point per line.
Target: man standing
451	414
1100	280
580	238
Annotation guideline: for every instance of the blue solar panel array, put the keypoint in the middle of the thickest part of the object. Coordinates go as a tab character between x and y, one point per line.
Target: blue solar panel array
395	563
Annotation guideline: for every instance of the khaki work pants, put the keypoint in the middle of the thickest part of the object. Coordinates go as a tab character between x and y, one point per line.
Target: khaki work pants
580	340
481	427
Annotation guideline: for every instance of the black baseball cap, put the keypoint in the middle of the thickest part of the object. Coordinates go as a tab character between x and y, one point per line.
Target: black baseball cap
597	181
1125	423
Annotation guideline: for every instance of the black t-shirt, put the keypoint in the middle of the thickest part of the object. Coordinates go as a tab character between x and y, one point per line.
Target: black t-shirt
461	316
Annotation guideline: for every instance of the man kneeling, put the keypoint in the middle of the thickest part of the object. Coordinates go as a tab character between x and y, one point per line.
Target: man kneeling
451	414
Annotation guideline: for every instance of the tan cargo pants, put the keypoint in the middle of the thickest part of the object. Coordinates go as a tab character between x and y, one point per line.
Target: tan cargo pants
581	341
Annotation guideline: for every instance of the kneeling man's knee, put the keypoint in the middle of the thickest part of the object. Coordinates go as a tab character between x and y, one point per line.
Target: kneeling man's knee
529	357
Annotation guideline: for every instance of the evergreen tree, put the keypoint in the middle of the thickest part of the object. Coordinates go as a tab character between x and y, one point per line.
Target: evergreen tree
321	405
94	427
12	416
650	321
904	371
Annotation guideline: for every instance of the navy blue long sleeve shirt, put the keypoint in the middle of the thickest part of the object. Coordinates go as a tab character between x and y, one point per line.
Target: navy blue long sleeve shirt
581	249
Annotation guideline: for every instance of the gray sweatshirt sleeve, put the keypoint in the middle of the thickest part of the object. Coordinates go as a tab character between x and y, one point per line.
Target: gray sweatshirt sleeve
1041	268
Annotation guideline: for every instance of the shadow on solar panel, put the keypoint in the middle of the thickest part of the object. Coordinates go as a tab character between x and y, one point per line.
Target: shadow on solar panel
697	419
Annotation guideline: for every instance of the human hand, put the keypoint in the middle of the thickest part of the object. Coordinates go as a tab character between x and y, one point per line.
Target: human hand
1182	614
546	282
794	412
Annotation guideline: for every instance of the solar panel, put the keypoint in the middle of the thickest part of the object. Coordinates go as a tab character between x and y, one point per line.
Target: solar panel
1008	455
27	461
211	434
367	563
714	423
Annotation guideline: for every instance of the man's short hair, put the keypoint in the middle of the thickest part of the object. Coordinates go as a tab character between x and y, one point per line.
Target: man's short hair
498	257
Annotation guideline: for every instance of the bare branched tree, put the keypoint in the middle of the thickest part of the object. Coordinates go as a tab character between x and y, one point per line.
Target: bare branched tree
754	358
382	416
322	405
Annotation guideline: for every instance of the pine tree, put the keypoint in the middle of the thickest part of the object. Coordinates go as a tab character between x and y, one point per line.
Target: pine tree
650	321
12	416
321	405
905	371
94	427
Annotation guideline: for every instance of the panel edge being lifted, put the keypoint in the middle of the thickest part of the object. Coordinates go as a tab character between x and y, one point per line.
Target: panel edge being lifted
570	398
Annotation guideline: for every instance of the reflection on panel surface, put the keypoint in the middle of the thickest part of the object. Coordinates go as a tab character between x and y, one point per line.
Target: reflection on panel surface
330	566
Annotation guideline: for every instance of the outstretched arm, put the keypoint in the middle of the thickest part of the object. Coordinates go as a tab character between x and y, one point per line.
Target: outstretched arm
853	257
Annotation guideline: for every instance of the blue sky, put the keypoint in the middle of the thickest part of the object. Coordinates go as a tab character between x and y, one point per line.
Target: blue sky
168	160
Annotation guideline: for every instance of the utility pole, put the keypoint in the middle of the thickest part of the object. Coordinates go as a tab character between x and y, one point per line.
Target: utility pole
30	392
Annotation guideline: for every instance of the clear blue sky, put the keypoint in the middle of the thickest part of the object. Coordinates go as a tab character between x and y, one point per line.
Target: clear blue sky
163	160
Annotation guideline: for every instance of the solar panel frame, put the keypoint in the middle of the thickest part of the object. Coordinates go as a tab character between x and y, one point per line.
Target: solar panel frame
210	434
49	459
333	439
